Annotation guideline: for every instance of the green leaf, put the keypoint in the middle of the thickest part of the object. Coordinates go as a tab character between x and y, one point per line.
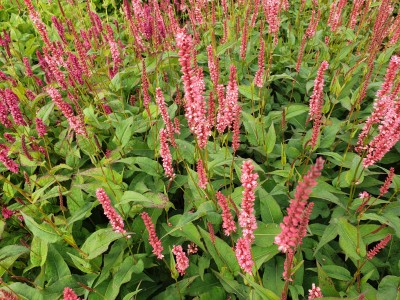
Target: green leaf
293	110
389	288
43	231
270	210
122	275
232	286
265	234
25	291
98	242
39	249
45	111
81	264
262	255
186	151
254	129
325	283
221	252
149	200
348	240
9	254
188	230
147	165
248	92
330	232
124	131
270	139
56	267
320	192
261	291
337	272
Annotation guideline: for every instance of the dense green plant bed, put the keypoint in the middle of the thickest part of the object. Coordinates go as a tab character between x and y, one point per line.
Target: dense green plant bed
199	149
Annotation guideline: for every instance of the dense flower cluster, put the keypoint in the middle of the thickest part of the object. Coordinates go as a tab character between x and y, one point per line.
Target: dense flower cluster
247	219
382	244
195	106
7	161
227	219
314	293
115	219
202	174
182	261
292	225
153	239
259	77
317	102
166	154
75	122
385	187
69	294
169	127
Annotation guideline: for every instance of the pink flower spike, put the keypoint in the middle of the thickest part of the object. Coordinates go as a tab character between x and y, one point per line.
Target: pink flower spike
153	239
385	187
382	244
243	254
165	153
182	261
40	127
247	219
292	228
69	294
202	174
115	219
164	114
259	77
28	69
314	293
317	102
227	219
8	162
7	213
12	101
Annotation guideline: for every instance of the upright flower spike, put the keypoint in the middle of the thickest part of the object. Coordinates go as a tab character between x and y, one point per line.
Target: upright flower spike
75	122
259	77
114	49
213	65
243	254
153	239
202	174
271	11
317	102
357	4
195	106
182	261
227	219
115	219
69	294
314	293
8	162
40	127
290	237
247	219
28	68
12	101
164	114
166	155
385	187
382	244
